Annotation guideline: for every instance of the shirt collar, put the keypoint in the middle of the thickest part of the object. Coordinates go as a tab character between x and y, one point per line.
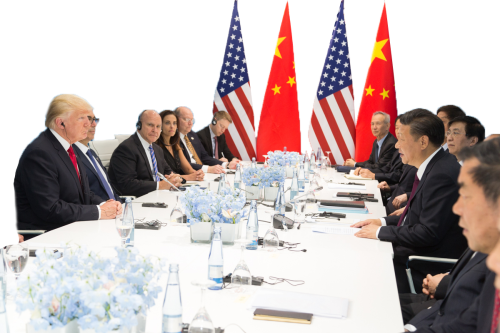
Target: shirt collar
82	147
211	133
145	144
182	136
382	141
423	166
61	140
445	146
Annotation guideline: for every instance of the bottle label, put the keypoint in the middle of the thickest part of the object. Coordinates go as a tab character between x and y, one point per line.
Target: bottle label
172	324
215	273
236	184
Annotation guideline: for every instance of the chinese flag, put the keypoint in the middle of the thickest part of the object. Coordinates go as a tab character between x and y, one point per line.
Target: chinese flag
379	93
279	124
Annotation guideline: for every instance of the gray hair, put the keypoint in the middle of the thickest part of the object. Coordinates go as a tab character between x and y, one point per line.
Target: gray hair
387	119
178	112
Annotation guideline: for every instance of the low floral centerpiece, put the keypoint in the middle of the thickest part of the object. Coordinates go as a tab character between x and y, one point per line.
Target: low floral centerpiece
288	160
203	208
267	179
84	291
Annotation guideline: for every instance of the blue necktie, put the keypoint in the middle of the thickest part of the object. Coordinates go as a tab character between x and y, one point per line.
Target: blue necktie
101	176
155	166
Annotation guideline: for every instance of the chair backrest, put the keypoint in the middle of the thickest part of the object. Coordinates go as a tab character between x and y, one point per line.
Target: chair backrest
104	149
122	137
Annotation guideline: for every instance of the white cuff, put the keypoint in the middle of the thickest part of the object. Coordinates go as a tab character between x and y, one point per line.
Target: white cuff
224	165
410	327
204	168
378	230
382	220
99	210
158	185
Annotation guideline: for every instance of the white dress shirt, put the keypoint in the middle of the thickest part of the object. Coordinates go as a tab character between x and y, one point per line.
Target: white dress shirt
84	150
445	146
420	173
65	144
146	145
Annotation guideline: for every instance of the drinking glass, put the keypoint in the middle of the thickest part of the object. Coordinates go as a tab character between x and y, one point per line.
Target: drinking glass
16	258
177	216
329	160
298	209
271	240
265	159
201	322
324	164
241	276
123	227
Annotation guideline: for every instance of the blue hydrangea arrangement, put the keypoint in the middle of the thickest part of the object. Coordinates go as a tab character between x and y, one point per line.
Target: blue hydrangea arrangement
279	158
263	177
100	293
251	176
207	206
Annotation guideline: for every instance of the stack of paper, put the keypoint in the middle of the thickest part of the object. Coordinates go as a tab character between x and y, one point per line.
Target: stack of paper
336	230
318	305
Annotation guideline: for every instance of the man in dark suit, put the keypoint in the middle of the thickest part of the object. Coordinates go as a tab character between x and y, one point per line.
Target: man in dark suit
192	146
214	141
135	163
51	184
404	186
96	172
383	146
428	226
478	207
391	172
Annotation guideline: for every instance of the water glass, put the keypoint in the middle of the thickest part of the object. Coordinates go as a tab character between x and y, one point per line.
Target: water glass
123	227
271	240
16	257
298	209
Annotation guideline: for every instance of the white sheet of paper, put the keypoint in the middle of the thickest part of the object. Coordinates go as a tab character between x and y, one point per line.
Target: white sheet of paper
336	230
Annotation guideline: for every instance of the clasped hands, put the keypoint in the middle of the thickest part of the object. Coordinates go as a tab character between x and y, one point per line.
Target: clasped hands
173	178
368	228
110	209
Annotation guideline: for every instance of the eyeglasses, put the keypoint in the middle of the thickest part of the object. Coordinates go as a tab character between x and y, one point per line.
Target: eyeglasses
454	133
93	119
187	120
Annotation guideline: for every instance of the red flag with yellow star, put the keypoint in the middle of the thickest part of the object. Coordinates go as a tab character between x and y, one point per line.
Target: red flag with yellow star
279	124
379	93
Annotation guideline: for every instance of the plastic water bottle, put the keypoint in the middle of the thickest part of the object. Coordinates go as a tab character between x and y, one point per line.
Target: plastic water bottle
172	304
284	149
294	189
279	203
215	260
254	164
313	160
4	325
319	158
237	177
302	178
222	182
128	216
252	227
307	168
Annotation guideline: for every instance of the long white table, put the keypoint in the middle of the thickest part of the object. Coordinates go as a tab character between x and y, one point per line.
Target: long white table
360	270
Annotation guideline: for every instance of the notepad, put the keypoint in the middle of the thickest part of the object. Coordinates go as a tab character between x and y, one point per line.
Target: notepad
351	175
336	230
346	187
283	316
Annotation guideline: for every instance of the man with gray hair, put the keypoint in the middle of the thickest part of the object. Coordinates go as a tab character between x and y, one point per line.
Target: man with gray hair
51	185
383	146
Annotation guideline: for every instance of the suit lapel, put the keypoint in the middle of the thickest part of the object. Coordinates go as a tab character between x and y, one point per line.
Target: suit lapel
66	160
467	266
428	169
387	142
140	147
210	146
85	160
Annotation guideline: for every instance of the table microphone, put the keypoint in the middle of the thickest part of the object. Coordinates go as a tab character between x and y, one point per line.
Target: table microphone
319	188
162	177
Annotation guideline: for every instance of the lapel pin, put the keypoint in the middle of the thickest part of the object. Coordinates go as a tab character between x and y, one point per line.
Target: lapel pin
192	138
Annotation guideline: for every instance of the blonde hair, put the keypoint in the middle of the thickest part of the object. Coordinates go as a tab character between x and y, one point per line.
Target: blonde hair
63	105
219	115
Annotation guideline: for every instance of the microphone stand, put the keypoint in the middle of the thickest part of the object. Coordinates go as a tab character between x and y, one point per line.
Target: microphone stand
162	177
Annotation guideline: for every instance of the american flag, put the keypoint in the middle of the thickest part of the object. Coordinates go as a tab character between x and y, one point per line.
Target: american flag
332	122
233	93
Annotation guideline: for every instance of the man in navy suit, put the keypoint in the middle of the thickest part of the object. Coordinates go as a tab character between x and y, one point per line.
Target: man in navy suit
192	147
427	226
51	184
96	172
478	207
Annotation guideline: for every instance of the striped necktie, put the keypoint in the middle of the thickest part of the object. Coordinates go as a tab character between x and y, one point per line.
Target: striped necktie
155	166
191	149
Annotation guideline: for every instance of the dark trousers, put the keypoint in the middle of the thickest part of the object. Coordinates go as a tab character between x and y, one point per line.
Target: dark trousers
411	304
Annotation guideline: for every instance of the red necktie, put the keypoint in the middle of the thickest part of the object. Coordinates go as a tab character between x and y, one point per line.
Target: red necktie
496	313
216	148
72	156
413	190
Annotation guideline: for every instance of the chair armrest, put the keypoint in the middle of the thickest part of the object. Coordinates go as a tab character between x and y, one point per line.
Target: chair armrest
433	259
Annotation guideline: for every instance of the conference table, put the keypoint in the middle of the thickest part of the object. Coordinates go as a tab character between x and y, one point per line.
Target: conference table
345	266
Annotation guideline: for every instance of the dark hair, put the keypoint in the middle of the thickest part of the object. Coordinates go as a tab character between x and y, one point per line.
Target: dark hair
487	174
174	140
452	111
397	118
472	127
423	122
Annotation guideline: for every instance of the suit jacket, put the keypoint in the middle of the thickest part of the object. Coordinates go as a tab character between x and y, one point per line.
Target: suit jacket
95	182
463	284
129	168
404	186
205	158
477	318
48	192
385	156
431	228
207	141
392	171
